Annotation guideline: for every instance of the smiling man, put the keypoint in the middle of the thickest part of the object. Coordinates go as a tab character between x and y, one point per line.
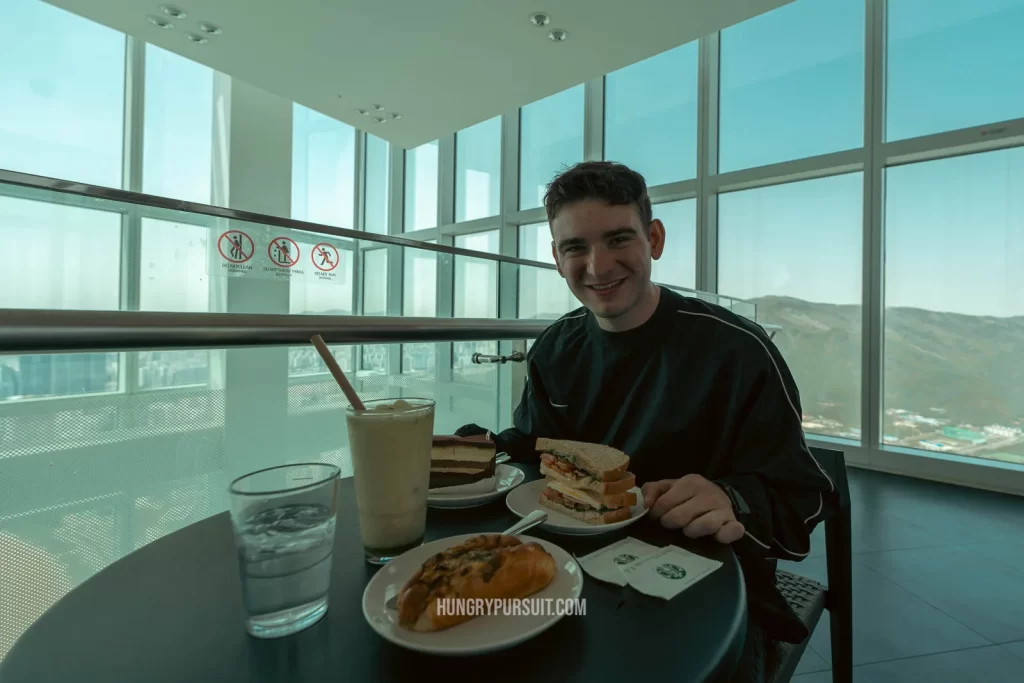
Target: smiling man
699	397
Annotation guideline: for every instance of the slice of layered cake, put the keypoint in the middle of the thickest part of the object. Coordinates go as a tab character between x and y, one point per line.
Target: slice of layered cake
457	460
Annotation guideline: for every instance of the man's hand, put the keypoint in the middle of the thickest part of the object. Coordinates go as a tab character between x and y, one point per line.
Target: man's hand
695	505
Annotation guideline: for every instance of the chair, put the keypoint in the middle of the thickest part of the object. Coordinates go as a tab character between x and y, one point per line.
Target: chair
809	598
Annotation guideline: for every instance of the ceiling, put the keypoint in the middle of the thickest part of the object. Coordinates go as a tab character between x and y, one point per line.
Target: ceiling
442	65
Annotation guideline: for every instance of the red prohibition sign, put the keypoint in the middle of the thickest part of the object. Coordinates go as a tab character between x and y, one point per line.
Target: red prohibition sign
236	248
324	251
284	247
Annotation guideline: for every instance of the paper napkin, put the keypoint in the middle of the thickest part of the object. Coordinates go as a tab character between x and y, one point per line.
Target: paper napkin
668	572
607	563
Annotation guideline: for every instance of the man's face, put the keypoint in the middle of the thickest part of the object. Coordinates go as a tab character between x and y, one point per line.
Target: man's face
604	253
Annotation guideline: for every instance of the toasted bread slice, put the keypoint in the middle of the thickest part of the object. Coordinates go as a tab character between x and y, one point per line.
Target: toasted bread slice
603	462
585	483
588	516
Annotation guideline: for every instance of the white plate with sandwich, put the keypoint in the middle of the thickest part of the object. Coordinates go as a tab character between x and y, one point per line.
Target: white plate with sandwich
586	489
505	478
472	568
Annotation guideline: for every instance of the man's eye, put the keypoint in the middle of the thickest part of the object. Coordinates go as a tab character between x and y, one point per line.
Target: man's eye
574	248
620	239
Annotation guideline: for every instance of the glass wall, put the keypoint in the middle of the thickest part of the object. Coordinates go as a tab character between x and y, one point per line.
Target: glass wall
478	171
550	138
954	380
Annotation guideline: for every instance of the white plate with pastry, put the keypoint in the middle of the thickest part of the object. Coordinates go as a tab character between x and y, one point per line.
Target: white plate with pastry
480	570
506	478
586	489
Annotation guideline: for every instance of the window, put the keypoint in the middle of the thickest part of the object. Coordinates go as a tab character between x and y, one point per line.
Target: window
792	84
62	89
323	169
954	315
678	263
795	251
476	296
177	158
375	302
378	174
421	187
550	138
478	171
543	294
309	295
419	300
650	116
953	64
78	268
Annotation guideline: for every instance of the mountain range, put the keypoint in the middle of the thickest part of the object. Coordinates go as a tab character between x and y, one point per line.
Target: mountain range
967	369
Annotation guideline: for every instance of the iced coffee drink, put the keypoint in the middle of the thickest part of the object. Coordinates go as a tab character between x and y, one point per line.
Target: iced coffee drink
390	444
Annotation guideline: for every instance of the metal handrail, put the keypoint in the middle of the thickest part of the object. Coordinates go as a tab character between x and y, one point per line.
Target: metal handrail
44	331
8	177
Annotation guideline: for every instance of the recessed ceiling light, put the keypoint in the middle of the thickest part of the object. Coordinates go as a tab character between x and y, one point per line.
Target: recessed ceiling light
172	11
160	23
396	116
209	29
380	119
539	19
197	39
339	96
363	112
558	34
378	107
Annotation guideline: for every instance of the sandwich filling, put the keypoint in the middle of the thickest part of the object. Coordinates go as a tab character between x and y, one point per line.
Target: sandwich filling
567	465
575	499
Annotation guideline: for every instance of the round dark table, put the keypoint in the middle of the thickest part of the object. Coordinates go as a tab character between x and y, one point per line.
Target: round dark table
172	611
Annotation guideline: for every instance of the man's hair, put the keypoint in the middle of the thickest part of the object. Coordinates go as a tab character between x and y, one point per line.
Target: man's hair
613	182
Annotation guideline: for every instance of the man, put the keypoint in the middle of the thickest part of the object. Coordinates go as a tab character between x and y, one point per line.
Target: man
699	397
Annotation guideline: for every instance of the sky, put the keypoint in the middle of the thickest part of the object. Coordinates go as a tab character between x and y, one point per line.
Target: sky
792	86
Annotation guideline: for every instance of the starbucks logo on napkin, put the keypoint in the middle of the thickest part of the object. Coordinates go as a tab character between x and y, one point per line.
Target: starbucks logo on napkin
671	571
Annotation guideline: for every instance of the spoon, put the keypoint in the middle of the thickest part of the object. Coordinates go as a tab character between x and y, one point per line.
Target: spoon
528	522
501	457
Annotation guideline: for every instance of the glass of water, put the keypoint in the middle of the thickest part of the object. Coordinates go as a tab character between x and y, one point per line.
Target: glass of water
284	518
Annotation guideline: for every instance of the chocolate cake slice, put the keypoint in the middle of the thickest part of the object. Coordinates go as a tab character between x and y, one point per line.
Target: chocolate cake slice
456	460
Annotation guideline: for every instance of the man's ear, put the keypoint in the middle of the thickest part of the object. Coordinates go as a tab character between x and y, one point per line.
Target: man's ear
656	236
554	255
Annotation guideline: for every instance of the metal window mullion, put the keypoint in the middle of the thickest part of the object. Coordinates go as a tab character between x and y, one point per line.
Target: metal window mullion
396	225
707	164
131	180
508	280
446	180
873	285
593	119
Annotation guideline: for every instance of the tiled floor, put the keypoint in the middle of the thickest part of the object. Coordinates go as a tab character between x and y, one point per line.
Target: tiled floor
938	585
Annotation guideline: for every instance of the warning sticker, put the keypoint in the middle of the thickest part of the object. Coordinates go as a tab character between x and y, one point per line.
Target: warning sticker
263	252
235	248
283	251
326	259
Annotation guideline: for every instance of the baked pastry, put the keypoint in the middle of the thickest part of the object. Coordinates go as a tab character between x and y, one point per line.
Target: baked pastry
487	566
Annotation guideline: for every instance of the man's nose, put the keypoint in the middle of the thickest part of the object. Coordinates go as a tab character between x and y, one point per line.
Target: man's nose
600	262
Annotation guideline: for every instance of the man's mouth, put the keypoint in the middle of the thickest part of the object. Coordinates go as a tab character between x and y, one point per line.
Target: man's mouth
607	286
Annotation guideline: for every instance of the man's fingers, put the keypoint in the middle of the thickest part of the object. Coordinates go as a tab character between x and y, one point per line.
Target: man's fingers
708	523
731	532
680	492
681	516
653	490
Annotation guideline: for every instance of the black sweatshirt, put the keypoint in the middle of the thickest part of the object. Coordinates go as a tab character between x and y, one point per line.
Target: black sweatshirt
695	389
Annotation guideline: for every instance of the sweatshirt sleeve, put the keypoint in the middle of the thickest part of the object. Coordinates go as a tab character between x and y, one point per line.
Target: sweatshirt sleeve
776	485
534	418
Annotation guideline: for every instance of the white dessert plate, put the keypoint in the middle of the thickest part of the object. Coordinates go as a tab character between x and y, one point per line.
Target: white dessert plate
506	478
526	498
487	633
